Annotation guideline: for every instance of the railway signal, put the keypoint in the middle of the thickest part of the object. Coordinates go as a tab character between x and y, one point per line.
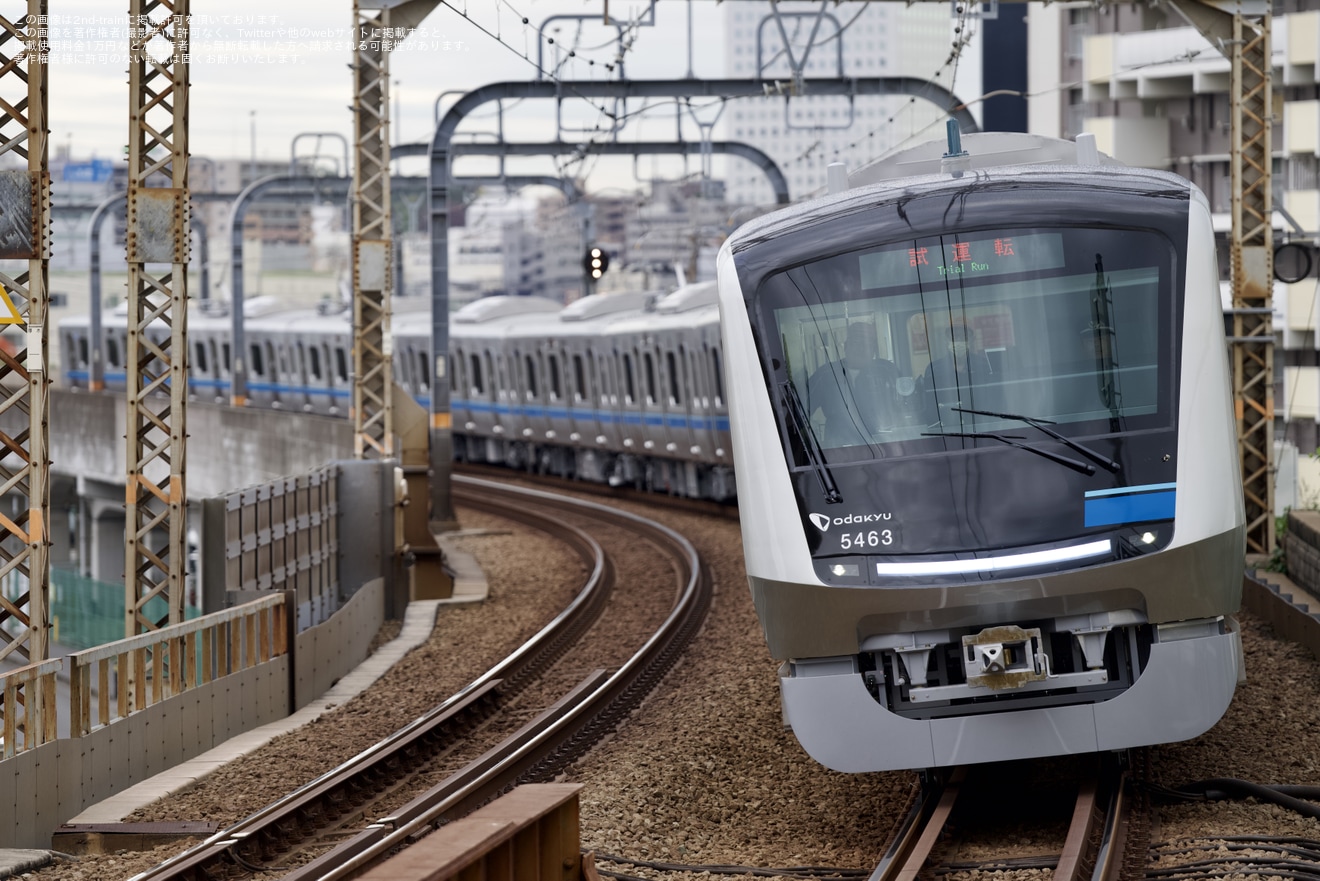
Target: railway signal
596	261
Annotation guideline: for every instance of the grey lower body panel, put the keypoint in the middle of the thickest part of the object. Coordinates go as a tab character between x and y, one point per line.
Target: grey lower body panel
1183	691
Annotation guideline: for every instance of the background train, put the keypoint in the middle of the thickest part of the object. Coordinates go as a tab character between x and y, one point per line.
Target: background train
625	389
996	511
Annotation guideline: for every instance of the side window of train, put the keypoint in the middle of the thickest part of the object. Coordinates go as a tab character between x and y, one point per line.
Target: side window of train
112	351
556	386
84	356
629	384
697	381
314	359
211	345
199	365
225	348
579	379
675	387
717	374
529	364
648	363
258	367
478	387
341	364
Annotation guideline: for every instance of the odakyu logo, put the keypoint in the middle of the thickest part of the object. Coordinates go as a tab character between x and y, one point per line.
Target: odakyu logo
823	522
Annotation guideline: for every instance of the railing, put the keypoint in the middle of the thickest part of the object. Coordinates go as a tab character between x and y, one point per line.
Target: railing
135	673
29	693
164	663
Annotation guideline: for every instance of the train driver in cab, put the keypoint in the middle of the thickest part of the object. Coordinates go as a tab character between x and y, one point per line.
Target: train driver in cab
951	378
855	393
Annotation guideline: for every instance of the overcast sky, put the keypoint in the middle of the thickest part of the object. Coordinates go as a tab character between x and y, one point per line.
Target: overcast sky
291	67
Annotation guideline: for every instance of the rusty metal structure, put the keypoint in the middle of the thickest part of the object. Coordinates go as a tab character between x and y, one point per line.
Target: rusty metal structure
1242	33
379	26
24	383
373	380
156	557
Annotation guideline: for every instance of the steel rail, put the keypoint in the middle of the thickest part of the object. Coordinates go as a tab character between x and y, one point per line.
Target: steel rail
567	738
556	737
493	687
1093	850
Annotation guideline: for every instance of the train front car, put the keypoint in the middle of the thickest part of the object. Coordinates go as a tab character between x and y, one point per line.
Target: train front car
987	464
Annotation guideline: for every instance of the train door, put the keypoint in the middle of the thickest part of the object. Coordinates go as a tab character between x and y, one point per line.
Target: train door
680	398
630	405
294	354
422	364
582	395
558	413
603	383
219	371
654	429
719	409
538	389
699	403
318	380
199	373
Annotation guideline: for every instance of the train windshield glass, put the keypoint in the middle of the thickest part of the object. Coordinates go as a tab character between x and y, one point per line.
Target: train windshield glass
887	351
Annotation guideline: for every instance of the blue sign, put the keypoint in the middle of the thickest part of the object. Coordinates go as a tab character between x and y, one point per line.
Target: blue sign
95	172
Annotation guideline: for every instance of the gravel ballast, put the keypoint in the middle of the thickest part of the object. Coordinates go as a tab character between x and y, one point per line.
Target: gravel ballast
704	772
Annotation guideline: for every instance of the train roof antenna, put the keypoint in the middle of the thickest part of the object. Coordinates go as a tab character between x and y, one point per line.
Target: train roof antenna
956	160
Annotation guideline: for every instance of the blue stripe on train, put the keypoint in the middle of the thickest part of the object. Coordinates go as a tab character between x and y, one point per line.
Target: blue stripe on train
604	416
1117	510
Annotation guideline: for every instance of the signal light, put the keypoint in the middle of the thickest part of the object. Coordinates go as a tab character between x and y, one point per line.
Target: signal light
596	261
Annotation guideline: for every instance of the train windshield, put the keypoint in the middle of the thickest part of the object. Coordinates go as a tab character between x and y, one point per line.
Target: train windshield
945	342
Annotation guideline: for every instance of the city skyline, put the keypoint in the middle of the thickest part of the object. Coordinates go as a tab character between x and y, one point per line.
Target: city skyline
263	77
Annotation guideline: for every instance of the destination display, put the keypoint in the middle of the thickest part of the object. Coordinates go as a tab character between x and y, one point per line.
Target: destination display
936	259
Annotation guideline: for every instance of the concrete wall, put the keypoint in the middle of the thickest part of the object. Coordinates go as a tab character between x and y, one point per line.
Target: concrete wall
57	781
228	448
327	652
47	786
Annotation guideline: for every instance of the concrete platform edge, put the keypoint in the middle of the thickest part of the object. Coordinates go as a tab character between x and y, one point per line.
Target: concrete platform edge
17	862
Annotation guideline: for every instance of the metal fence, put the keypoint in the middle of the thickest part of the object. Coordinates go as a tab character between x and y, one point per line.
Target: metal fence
284	535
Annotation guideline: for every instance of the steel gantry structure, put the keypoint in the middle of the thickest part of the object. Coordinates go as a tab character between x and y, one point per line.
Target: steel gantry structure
442	151
24	383
158	225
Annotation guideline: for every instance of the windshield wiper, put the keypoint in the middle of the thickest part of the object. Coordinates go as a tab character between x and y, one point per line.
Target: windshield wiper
1012	441
1099	459
809	443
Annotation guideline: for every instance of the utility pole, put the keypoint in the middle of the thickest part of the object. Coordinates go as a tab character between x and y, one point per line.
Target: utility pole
378	27
25	203
156	553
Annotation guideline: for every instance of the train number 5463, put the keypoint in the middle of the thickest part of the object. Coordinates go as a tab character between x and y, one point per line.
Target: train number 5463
876	538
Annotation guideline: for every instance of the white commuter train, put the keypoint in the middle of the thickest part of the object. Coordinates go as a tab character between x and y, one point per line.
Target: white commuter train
625	389
981	414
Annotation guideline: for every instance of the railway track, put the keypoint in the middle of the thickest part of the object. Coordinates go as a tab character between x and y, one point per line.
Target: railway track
342	823
724	510
1105	838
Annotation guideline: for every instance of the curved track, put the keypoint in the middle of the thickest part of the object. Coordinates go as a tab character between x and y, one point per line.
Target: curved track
333	808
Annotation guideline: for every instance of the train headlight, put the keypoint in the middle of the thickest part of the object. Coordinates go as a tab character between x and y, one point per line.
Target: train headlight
1148	538
846	570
